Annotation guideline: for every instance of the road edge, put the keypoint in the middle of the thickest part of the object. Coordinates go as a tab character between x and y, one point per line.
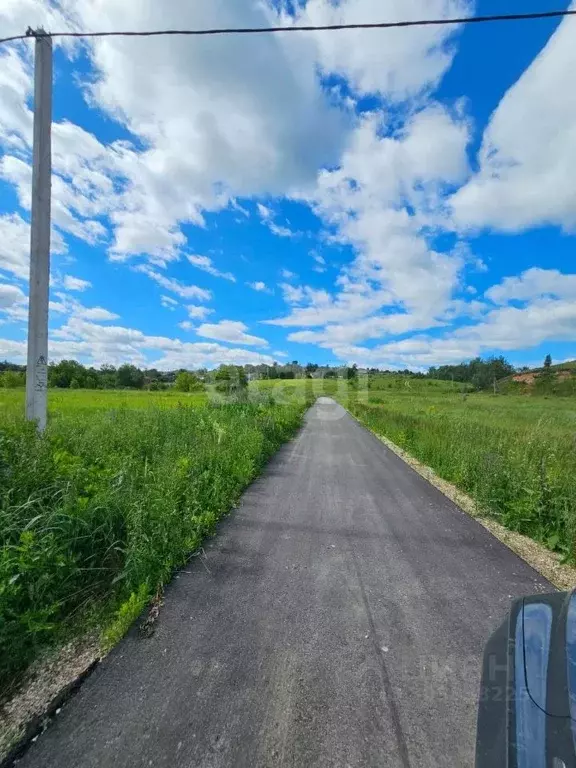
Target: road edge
54	679
543	560
49	684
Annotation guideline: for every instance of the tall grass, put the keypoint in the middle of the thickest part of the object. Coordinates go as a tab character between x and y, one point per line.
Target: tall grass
63	401
96	514
515	457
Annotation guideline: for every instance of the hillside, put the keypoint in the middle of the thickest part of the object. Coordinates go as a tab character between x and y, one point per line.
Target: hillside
559	379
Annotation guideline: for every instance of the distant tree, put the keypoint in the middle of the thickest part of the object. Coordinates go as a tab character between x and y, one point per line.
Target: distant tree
12	379
188	382
231	380
61	374
182	381
352	373
91	382
481	373
74	384
331	374
129	377
107	377
6	366
546	381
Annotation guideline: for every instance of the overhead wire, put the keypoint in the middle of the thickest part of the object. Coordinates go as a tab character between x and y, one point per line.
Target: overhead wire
299	28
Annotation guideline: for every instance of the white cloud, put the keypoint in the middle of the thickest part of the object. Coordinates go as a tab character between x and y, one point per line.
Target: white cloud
15	89
293	294
516	328
205	264
15	245
98	314
503	329
268	131
370	328
70	206
10	295
59	307
137	233
528	156
75	283
382	199
17	14
168	302
395	63
68	305
267	216
186	325
321	308
98	344
237	207
220	119
202	355
321	265
281	231
259	286
230	331
175	286
535	283
198	313
264	211
228	118
13	304
14	351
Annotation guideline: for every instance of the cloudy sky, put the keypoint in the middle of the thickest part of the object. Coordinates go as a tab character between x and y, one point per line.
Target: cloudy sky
390	197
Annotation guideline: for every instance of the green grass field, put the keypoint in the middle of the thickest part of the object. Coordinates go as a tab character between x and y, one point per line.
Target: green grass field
120	490
515	455
62	401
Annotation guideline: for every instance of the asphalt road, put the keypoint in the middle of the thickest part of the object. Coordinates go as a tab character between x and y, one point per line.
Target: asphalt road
338	619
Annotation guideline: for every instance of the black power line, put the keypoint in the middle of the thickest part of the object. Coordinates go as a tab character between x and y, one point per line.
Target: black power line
296	28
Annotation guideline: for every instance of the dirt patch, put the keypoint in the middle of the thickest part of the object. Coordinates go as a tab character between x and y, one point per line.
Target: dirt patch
530	377
541	559
47	686
525	378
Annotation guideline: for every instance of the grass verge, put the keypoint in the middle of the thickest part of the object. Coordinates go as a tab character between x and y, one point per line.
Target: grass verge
96	514
521	474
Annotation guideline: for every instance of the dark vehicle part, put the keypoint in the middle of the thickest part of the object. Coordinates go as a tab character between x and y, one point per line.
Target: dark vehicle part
527	711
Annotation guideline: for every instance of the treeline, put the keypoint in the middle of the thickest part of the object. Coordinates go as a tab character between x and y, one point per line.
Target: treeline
69	374
480	373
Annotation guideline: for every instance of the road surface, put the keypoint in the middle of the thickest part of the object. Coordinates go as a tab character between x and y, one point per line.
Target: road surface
338	619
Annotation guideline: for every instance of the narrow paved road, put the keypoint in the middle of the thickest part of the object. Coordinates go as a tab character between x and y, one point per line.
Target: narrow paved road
338	619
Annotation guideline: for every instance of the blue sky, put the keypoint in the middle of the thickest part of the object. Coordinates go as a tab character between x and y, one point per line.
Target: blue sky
398	198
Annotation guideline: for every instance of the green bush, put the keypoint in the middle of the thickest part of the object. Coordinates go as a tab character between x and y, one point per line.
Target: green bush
96	514
188	382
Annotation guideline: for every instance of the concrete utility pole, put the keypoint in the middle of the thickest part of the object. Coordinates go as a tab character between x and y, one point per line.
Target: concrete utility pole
37	364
